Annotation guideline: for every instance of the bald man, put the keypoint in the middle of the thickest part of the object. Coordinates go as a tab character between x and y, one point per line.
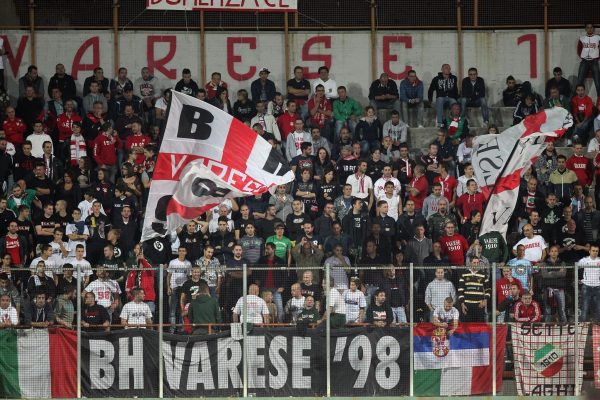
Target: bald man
258	312
535	245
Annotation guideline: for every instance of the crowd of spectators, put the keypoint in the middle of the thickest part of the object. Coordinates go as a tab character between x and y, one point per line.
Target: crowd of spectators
76	168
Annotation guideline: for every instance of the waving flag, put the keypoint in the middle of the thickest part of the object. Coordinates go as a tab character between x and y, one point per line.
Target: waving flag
501	160
238	163
460	364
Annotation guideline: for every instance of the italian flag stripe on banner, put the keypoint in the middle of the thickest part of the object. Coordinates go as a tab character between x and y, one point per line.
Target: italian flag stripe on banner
38	363
457	365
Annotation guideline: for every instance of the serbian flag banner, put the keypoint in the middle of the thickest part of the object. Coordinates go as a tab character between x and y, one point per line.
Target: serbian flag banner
459	364
545	358
501	160
38	363
238	163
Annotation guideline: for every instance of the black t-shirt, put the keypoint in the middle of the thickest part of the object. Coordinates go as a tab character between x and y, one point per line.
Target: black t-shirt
98	227
303	162
45	222
35	183
313	290
346	168
62	221
240	225
95	315
190	288
301	85
193	243
158	250
266	227
5	217
294	224
190	88
25	229
375	169
379	313
23	166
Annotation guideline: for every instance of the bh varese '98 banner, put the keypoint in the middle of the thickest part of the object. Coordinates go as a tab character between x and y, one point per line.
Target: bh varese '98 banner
206	156
281	362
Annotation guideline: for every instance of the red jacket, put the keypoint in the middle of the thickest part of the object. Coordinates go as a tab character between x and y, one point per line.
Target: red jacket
137	141
454	247
583	168
319	118
531	313
105	149
583	106
419	183
64	124
469	202
143	279
14	131
286	124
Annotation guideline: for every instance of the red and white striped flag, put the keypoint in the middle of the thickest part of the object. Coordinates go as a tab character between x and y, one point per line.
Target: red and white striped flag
501	160
596	352
206	156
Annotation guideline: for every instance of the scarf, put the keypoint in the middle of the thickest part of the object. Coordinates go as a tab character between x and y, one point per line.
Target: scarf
78	149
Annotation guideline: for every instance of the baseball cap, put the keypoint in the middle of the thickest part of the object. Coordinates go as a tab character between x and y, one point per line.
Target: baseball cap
264	69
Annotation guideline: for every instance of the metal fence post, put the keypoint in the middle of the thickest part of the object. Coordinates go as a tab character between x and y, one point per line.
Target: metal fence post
31	6
328	329
411	351
161	317
79	310
494	333
245	329
576	344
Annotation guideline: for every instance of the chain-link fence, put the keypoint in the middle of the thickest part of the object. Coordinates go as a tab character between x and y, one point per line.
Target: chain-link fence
311	14
342	329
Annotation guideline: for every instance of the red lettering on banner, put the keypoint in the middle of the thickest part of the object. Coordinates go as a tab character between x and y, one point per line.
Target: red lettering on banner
232	58
388	58
94	43
325	59
532	39
15	59
160	65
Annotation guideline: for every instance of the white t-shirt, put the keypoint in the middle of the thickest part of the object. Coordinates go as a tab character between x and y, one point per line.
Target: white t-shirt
591	272
393	205
533	247
57	256
179	272
104	291
9	314
330	87
295	307
50	264
84	266
136	313
379	188
360	185
446	316
354	302
215	210
337	302
256	309
71	228
37	142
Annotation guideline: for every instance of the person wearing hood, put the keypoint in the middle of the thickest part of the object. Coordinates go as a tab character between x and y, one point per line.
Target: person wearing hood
411	96
369	131
445	87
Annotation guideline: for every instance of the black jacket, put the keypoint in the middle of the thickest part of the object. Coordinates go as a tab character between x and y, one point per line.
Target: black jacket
473	92
443	87
377	89
280	276
66	84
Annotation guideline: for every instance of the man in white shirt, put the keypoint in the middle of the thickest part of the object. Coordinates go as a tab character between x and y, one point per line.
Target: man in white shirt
294	306
258	312
535	245
386	176
362	185
77	232
590	288
393	200
46	257
136	312
59	248
337	307
295	139
446	317
8	314
267	121
37	139
82	269
177	273
463	179
329	84
107	291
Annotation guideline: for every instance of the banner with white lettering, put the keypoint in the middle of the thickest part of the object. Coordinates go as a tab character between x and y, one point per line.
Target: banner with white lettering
223	5
281	362
545	358
501	160
240	162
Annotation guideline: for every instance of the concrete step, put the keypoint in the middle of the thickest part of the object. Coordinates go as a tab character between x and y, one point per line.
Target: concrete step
499	116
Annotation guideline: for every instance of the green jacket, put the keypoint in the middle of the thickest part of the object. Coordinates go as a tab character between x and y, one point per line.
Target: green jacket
342	110
204	310
26	200
494	247
308	316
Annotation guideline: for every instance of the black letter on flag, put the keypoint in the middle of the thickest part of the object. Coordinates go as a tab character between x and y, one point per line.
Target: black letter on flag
276	164
205	187
194	123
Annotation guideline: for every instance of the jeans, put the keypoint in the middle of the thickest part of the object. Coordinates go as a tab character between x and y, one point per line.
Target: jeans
404	106
581	133
559	295
584	69
366	146
351	125
399	315
304	111
480	102
385	105
440	104
278	300
590	294
371	289
174	309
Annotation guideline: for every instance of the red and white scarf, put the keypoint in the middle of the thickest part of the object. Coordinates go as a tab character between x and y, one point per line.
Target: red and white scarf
78	149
